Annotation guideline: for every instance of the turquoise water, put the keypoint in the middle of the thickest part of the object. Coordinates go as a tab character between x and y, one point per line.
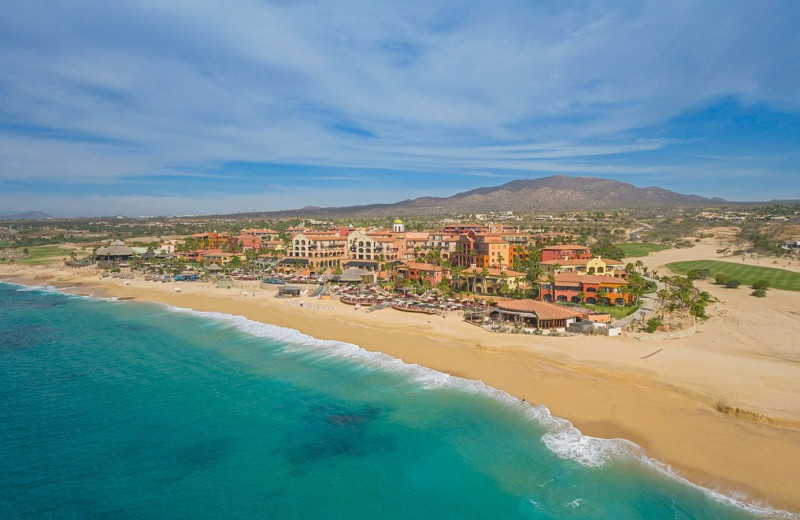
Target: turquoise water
130	410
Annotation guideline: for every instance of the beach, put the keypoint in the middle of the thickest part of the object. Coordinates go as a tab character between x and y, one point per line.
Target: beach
720	407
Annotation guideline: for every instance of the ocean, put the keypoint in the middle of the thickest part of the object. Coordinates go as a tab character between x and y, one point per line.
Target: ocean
116	410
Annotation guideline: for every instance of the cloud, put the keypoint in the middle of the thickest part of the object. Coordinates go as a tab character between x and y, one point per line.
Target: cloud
109	92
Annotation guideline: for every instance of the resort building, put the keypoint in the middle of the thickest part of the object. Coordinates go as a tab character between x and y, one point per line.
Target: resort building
585	288
535	314
211	239
317	250
217	257
482	280
565	252
421	272
481	250
591	266
554	238
377	246
250	242
263	234
460	229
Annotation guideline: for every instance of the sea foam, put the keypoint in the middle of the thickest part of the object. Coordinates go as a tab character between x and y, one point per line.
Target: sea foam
561	437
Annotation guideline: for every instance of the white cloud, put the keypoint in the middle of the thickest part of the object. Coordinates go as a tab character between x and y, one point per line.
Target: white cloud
150	88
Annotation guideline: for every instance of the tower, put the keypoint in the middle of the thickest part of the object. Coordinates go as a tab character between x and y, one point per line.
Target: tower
398	226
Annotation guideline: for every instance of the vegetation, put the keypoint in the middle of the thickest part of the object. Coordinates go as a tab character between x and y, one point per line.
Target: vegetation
747	274
760	243
635	249
760	288
681	294
617	311
35	255
606	249
653	324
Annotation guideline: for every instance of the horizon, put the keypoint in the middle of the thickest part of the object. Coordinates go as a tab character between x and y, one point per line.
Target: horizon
152	109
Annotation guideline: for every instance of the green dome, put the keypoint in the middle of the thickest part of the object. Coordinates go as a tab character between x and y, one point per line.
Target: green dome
397	221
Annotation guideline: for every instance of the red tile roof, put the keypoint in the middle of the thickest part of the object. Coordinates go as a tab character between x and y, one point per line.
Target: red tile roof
566	246
545	311
422	266
580	261
492	271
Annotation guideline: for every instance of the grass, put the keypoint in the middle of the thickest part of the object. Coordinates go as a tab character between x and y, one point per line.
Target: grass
38	255
634	249
747	274
617	312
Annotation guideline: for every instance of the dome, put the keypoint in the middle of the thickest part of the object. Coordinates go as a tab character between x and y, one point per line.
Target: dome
397	221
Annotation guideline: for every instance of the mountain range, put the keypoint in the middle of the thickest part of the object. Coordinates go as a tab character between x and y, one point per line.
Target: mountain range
554	193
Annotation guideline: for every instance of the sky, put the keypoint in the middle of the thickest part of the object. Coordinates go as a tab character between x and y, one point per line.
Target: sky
173	107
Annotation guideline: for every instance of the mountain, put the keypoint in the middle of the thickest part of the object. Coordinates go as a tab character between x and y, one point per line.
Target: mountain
28	215
554	193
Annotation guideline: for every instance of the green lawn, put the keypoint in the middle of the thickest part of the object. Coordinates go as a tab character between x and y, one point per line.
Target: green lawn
633	249
617	312
747	274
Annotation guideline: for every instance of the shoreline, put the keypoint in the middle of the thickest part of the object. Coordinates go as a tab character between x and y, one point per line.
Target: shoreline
608	394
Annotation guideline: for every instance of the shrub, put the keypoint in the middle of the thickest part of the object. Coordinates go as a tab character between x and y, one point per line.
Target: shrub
761	284
653	324
760	293
698	274
721	279
732	283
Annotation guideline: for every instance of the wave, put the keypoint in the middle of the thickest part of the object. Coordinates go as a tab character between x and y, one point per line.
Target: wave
561	437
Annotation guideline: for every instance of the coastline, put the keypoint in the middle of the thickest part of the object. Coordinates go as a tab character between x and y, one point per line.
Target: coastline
665	404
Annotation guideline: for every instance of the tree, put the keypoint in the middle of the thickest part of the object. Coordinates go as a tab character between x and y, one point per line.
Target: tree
761	284
551	279
484	274
732	283
760	293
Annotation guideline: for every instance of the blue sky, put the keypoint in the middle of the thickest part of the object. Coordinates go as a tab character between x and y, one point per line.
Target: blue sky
175	107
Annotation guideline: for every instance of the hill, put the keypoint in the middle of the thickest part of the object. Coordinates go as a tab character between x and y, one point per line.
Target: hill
28	215
554	193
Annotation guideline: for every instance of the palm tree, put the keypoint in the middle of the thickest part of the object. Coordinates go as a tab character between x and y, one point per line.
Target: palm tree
484	274
533	275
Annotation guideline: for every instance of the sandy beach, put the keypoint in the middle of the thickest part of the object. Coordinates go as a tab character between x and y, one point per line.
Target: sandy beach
721	407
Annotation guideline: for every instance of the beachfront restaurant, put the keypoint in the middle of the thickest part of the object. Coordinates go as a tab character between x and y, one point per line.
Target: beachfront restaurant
534	314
